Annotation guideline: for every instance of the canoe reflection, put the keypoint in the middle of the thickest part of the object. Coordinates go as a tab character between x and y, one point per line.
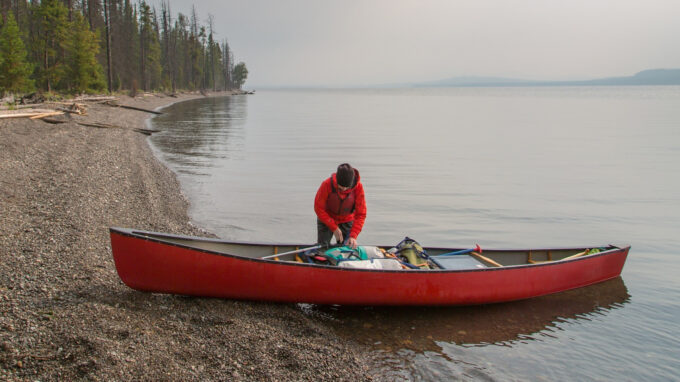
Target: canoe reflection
418	329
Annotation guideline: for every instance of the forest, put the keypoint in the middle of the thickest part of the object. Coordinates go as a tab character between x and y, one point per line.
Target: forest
94	46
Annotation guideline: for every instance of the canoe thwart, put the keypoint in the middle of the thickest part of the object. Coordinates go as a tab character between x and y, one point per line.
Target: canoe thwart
485	259
576	255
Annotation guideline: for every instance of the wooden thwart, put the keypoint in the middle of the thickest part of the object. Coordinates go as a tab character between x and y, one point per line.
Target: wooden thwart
532	261
576	255
485	259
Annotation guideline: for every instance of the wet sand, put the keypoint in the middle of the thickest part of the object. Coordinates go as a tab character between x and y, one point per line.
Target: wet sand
65	314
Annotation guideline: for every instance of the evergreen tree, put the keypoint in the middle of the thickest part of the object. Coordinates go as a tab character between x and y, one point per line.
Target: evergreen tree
166	53
180	38
126	61
240	74
84	74
226	65
150	48
195	50
52	35
14	70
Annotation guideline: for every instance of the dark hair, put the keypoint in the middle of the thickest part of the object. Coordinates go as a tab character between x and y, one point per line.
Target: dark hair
345	175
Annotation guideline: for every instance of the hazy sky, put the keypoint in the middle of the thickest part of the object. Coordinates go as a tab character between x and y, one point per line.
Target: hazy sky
363	42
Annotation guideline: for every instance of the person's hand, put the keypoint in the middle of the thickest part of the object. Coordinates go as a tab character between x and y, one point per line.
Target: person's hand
338	235
352	242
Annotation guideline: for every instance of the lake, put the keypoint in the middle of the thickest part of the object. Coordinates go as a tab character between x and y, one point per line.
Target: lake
501	167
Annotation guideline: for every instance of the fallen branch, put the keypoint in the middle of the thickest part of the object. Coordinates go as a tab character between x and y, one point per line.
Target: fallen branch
107	126
43	115
93	99
72	111
99	125
18	115
68	103
133	108
52	120
16	107
28	115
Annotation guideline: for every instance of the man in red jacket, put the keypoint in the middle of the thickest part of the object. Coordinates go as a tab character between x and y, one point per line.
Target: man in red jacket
340	207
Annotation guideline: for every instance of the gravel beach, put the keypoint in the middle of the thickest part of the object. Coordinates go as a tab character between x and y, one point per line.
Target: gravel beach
65	314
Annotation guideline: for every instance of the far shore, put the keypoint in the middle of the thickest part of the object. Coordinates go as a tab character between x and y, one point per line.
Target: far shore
65	314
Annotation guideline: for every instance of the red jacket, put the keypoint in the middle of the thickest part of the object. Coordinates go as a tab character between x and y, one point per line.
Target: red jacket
331	218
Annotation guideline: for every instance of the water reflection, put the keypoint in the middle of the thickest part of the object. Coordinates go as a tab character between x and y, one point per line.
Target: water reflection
423	329
195	133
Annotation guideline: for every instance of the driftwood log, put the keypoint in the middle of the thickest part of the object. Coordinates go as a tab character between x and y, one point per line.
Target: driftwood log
108	126
93	99
43	115
17	107
32	114
53	121
133	108
74	109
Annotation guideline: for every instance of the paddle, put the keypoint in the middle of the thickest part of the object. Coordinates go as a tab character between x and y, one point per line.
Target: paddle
292	252
437	263
477	249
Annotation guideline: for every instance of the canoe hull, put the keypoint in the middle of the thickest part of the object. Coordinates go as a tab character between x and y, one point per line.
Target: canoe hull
152	265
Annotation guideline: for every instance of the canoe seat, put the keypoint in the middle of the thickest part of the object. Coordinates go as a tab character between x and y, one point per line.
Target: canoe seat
460	262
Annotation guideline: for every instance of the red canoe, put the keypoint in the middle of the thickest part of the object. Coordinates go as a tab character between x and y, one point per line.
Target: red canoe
165	263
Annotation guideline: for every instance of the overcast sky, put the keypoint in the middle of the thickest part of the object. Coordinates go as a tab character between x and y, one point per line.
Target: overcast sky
364	42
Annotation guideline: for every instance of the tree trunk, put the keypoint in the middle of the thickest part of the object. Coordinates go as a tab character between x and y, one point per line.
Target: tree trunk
47	67
107	20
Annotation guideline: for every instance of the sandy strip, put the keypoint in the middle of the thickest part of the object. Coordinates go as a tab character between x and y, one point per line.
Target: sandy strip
65	314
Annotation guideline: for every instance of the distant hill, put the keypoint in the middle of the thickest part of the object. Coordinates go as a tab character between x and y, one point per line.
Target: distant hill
646	77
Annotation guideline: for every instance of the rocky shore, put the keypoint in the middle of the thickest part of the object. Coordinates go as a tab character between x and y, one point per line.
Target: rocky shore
65	314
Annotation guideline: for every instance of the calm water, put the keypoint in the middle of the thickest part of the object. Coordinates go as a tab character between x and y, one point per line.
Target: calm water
502	167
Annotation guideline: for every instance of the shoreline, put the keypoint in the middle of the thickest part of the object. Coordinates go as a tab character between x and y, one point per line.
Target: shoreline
65	314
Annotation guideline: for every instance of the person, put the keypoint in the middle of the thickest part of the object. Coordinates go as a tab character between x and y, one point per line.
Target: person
340	207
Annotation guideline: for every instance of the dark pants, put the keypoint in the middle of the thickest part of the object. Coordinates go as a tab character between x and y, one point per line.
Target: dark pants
324	235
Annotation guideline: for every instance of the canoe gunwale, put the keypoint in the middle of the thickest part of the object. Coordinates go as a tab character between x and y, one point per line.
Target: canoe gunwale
158	238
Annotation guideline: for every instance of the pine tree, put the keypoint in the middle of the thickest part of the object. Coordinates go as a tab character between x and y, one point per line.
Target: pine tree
52	35
126	62
147	49
226	65
150	48
84	74
166	54
240	74
14	70
195	69
107	21
181	52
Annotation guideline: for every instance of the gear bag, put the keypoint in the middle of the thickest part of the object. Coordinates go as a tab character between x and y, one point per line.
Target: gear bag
345	253
412	252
